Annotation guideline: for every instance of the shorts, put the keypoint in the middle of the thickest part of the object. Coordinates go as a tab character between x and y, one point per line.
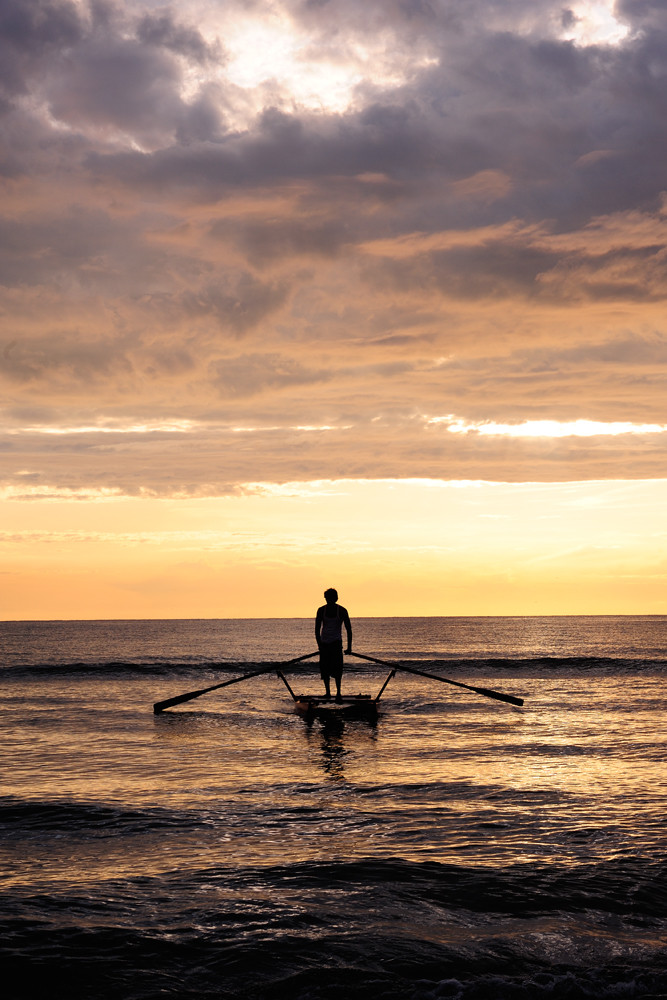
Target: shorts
331	659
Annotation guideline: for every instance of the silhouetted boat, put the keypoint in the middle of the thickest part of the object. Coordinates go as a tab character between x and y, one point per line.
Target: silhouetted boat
356	706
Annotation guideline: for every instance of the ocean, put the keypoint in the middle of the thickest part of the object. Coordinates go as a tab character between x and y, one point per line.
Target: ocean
460	847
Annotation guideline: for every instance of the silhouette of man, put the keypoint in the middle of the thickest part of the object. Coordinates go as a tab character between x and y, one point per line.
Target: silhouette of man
329	623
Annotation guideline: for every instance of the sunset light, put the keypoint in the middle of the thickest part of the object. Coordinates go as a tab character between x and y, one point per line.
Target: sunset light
400	546
273	53
293	291
552	428
333	492
594	22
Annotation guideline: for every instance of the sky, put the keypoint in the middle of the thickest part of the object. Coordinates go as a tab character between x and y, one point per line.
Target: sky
314	293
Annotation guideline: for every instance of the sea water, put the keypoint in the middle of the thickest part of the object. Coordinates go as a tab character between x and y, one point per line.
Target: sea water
459	848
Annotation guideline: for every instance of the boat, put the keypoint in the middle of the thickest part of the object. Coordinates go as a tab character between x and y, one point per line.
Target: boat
356	706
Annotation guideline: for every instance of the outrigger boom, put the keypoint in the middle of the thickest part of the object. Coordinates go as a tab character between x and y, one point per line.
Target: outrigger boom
160	706
357	706
486	692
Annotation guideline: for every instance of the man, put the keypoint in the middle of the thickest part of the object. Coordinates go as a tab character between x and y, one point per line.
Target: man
329	623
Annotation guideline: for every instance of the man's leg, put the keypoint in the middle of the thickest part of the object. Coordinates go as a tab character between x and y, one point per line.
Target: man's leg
338	676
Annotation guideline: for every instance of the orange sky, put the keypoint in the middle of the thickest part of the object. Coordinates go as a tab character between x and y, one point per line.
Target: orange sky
295	295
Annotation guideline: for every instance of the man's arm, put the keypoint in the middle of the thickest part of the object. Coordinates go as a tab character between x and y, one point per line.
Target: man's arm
318	624
348	628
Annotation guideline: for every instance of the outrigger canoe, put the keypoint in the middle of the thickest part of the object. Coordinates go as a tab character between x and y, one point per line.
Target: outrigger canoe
360	706
356	706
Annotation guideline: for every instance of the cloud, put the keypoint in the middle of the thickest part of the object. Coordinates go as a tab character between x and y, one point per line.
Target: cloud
239	307
125	87
29	35
264	241
400	210
71	358
247	375
161	30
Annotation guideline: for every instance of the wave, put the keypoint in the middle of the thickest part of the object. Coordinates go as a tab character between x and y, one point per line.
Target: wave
105	669
387	928
603	665
634	887
19	818
627	884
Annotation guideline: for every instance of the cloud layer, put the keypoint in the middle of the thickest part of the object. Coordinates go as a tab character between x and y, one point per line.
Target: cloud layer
284	237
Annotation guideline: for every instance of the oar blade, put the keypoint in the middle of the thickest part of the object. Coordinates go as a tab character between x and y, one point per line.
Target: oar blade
160	706
499	696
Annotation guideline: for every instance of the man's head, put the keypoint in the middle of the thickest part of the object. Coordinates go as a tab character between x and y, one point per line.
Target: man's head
331	595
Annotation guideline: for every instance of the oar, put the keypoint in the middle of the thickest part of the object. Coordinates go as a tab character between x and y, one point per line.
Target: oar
160	706
487	692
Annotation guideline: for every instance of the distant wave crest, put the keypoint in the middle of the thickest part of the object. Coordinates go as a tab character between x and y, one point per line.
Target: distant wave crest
462	665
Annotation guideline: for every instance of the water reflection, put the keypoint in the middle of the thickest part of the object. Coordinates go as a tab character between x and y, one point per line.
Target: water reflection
333	750
184	725
337	741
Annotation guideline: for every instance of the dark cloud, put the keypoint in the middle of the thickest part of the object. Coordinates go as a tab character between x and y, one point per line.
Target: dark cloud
284	148
530	107
497	270
625	355
29	34
478	232
619	375
490	100
266	240
65	358
238	307
251	374
43	249
163	31
106	70
643	15
247	375
119	83
505	268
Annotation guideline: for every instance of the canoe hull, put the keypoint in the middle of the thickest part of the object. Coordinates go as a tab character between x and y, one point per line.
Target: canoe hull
360	706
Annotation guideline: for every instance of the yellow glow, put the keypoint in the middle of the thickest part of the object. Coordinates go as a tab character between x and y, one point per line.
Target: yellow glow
454	424
28	492
166	427
411	547
550	428
150	427
287	427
